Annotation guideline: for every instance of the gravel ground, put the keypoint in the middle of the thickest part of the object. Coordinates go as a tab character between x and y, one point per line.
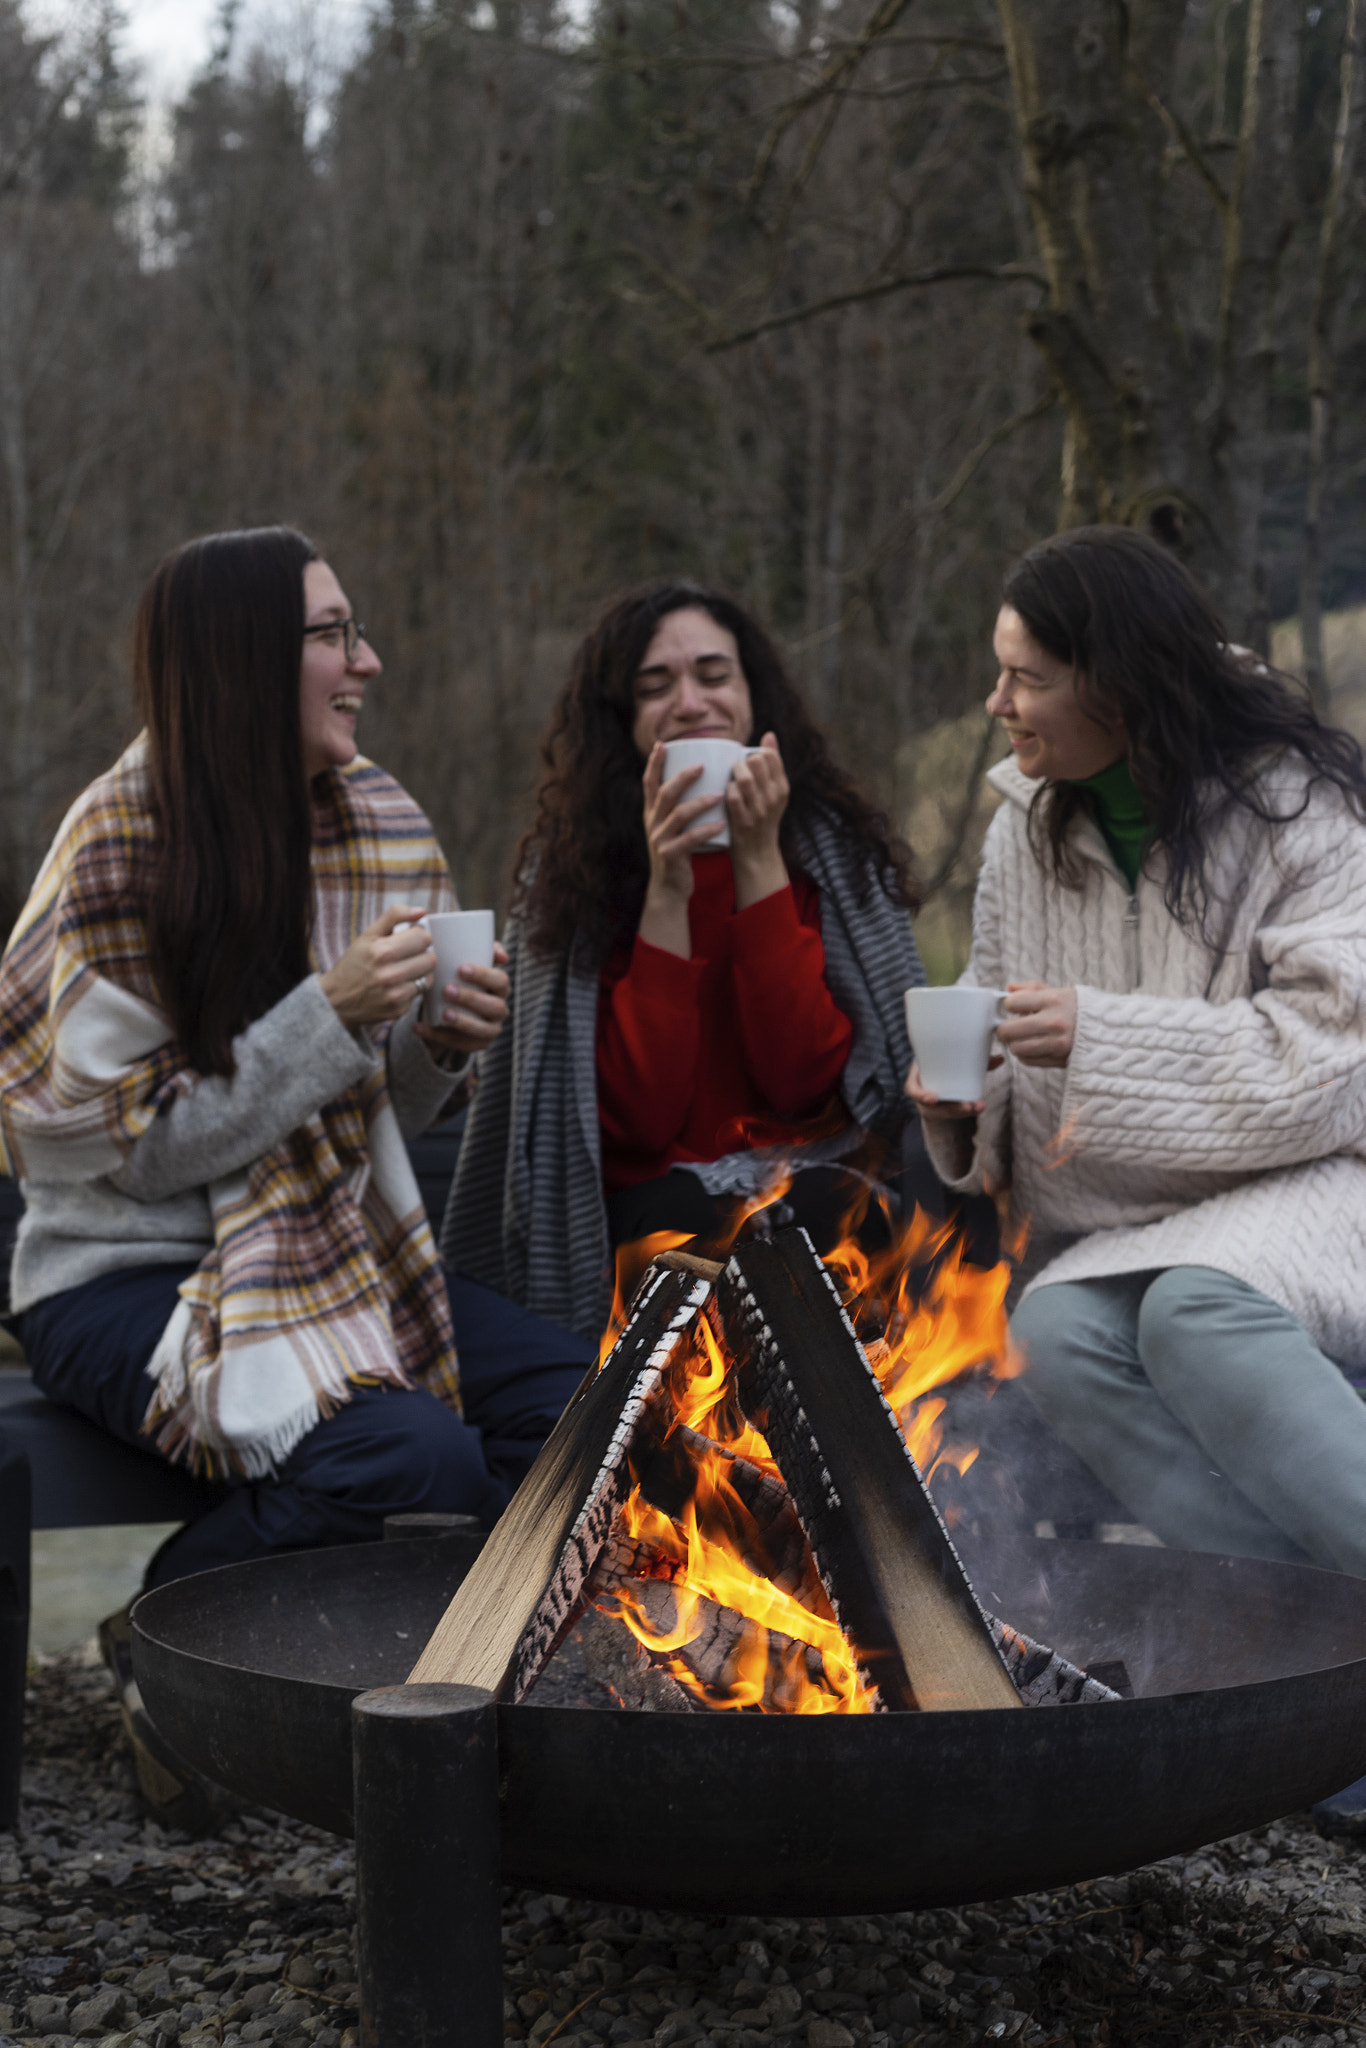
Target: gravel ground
114	1932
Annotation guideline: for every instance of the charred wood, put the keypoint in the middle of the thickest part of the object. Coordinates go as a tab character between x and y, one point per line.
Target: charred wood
601	1666
892	1575
527	1584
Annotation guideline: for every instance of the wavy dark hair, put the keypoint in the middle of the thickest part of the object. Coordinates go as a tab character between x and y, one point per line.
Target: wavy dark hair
1203	719
583	867
217	649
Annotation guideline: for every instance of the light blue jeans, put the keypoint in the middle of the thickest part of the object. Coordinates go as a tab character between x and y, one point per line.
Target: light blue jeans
1207	1408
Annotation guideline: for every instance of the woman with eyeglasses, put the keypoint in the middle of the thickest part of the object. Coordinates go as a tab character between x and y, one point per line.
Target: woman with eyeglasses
212	1055
689	1022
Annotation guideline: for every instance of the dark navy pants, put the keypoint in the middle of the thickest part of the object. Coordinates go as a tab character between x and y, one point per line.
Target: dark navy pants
385	1451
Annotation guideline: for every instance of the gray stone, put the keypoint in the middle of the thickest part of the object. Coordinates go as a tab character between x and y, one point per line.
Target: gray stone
782	2003
675	2029
101	2014
46	2014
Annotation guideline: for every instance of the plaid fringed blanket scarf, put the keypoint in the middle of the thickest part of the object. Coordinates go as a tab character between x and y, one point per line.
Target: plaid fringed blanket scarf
323	1271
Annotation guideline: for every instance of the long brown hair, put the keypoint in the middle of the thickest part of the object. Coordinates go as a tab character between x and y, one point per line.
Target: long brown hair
217	649
583	867
1202	719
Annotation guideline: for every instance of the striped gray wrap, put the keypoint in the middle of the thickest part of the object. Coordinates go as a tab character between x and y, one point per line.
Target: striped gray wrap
526	1213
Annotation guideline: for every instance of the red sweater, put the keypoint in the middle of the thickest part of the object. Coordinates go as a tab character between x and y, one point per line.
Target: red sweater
736	1047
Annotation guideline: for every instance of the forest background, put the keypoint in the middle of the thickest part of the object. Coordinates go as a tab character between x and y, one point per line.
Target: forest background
838	303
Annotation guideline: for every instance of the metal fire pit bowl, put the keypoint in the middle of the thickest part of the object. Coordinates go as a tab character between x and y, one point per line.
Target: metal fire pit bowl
1250	1683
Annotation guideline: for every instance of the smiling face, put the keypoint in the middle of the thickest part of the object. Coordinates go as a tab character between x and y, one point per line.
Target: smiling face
331	688
690	686
1035	698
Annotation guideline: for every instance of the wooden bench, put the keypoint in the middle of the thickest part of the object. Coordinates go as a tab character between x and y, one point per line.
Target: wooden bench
58	1471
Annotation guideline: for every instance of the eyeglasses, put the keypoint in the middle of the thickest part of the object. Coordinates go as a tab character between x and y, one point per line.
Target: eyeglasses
351	630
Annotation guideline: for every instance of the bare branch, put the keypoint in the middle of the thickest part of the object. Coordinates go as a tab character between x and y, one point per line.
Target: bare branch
1185	141
941	273
893	542
841	65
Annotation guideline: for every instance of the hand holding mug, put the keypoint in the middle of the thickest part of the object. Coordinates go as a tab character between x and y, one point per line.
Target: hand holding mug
1040	1023
474	1010
675	826
936	1111
756	798
377	975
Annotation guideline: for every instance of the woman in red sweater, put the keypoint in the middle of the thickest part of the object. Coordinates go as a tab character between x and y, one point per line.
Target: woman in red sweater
683	1017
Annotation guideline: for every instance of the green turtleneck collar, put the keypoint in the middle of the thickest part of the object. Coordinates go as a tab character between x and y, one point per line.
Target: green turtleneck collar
1119	813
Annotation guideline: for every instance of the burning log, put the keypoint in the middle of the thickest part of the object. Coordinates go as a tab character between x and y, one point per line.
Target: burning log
600	1665
893	1577
527	1583
732	1660
761	1521
733	1485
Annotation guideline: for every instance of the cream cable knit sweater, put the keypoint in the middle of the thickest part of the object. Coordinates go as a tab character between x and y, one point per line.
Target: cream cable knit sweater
1213	1111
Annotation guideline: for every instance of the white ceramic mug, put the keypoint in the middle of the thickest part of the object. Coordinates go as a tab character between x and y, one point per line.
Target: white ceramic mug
460	938
716	759
950	1030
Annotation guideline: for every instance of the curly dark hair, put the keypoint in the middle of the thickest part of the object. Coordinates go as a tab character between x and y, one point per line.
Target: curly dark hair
583	867
1203	719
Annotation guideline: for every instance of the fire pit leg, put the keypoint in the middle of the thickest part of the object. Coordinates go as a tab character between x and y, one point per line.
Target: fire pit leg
428	1898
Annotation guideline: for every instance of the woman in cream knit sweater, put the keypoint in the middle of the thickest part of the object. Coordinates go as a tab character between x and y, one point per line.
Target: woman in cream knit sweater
1174	893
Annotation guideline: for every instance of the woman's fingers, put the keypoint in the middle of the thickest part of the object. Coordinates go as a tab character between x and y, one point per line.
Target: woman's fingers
491	980
757	795
377	976
669	796
760	779
677	825
687	830
480	993
389	920
1040	1024
407	950
474	1011
930	1105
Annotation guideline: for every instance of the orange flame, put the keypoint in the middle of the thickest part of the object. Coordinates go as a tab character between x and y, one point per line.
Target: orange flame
706	1567
632	1259
942	1320
775	1649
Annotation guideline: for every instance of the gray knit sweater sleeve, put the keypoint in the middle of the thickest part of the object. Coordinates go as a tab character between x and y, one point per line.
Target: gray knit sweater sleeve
421	1090
291	1061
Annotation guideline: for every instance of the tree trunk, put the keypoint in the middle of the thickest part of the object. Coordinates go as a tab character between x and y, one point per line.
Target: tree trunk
1327	282
14	292
1144	445
1254	238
